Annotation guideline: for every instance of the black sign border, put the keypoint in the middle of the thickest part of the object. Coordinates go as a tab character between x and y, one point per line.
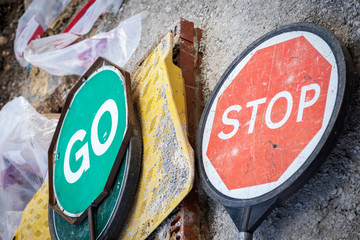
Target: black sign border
326	143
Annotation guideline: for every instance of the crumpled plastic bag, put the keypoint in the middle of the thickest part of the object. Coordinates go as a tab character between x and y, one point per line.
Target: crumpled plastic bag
41	13
25	136
88	15
116	45
33	23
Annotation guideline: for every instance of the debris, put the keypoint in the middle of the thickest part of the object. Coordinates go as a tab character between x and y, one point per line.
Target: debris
186	220
24	140
36	19
168	160
41	13
7	67
3	40
116	45
34	216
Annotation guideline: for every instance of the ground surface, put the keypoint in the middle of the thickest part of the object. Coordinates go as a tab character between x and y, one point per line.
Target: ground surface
328	207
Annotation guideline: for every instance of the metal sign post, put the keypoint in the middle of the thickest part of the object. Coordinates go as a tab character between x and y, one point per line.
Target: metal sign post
272	119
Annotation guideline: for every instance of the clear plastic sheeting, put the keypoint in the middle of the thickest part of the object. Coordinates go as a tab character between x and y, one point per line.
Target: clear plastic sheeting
41	13
116	45
25	136
82	23
33	23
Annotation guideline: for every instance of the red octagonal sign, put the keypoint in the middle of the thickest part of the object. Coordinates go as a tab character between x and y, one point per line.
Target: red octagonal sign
269	114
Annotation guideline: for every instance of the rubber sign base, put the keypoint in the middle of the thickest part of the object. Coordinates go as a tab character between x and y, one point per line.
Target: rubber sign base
247	219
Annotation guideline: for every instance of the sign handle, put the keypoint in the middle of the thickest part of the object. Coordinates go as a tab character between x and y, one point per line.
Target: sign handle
91	222
245	236
247	219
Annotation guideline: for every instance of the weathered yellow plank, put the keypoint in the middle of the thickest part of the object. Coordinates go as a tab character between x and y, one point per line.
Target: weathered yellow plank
168	160
34	220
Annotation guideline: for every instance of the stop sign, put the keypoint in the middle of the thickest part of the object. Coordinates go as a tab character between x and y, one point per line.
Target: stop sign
270	115
266	132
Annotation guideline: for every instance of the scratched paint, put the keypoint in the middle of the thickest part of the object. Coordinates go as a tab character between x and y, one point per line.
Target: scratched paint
256	140
168	161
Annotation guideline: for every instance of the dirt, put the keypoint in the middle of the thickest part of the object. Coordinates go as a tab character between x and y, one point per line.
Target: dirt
11	74
328	206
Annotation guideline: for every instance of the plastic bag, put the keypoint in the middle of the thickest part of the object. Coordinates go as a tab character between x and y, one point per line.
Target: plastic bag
25	137
41	13
116	45
88	15
33	23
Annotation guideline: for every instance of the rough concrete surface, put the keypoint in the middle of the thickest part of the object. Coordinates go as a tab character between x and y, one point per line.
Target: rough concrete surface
328	206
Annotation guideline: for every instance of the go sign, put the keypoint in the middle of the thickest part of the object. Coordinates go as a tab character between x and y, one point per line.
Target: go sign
270	115
97	147
92	139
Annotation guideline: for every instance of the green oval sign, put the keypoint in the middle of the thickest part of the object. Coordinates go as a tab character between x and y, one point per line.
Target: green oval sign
89	140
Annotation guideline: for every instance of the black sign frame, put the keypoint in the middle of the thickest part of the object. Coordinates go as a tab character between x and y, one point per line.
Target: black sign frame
249	213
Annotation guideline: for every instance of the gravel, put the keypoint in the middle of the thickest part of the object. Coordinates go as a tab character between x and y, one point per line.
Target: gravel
328	206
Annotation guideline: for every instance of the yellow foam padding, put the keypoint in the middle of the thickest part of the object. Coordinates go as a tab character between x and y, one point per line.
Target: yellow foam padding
34	221
168	159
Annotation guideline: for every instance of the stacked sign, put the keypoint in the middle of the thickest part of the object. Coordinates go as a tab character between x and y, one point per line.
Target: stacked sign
90	143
